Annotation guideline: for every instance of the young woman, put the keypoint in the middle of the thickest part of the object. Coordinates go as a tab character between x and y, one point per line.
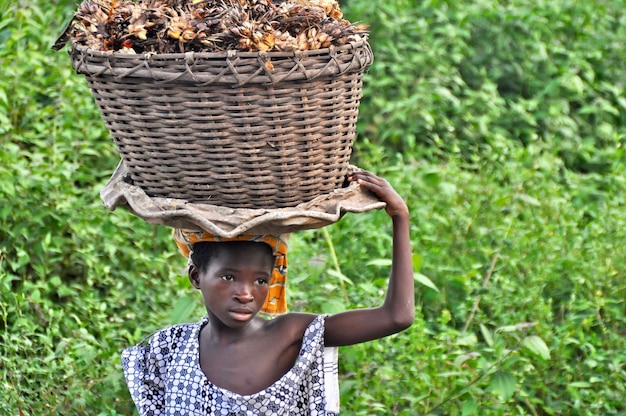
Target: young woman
234	362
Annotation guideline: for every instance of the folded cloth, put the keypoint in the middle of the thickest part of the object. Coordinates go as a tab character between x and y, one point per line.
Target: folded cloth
276	301
230	222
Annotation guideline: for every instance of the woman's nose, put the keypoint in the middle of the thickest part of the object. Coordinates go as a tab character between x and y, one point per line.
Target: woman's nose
244	294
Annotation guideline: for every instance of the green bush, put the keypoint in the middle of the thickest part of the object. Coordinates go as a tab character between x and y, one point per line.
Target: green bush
68	269
467	77
501	122
525	240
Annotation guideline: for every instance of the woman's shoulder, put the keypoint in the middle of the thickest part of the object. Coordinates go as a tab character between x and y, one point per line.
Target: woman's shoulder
294	325
170	338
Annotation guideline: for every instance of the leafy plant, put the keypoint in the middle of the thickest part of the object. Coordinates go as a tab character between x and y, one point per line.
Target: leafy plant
467	77
501	123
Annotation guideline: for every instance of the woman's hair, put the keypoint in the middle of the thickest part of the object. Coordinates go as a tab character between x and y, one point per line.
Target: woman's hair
204	251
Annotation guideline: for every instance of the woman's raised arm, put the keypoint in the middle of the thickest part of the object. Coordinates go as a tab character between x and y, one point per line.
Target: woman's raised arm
398	310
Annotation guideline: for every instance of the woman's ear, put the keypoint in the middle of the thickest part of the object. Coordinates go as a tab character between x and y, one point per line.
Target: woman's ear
194	276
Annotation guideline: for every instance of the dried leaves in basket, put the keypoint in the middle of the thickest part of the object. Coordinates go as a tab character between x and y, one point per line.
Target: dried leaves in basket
173	26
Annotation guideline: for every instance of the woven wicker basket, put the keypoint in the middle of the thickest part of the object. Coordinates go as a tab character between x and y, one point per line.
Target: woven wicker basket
242	130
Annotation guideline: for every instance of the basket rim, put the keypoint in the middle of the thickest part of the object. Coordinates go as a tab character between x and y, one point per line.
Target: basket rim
231	53
234	68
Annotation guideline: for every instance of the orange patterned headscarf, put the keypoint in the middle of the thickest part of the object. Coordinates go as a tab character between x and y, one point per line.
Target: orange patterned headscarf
276	301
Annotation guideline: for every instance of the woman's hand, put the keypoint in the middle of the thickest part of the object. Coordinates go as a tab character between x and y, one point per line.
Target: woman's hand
383	190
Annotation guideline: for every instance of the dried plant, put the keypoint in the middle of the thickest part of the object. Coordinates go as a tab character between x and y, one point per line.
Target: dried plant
170	26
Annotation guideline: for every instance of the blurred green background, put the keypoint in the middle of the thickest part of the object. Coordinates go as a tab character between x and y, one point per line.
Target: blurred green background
503	123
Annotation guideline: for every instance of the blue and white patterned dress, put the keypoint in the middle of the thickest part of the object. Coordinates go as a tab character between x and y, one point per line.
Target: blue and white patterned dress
164	377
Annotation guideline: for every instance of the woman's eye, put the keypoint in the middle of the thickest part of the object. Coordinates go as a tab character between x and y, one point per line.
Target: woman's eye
228	277
262	282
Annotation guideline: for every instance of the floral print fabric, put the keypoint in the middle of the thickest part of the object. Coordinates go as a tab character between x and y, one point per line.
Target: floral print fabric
164	377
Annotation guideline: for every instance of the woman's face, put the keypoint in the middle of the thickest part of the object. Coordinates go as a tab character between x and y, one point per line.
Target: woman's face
235	282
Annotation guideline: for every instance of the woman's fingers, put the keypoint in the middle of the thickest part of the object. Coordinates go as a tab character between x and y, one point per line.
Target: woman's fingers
382	189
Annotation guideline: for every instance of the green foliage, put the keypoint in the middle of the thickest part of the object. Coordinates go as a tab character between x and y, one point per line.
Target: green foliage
467	77
72	295
501	122
516	238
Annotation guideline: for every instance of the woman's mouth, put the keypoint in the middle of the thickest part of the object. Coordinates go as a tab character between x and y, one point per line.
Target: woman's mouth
241	314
